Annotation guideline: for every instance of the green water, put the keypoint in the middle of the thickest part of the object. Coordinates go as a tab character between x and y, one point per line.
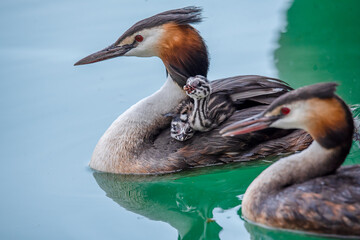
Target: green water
322	43
193	202
52	114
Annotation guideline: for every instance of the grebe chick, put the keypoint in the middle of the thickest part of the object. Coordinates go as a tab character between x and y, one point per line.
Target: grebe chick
199	89
195	115
307	191
181	130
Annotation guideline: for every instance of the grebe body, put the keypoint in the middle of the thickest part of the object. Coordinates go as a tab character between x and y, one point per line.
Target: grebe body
307	190
138	142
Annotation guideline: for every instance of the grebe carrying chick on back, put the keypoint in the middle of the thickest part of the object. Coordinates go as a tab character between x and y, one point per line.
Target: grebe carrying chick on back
307	190
203	113
138	141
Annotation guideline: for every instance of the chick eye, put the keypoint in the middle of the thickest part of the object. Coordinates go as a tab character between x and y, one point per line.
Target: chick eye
139	38
285	110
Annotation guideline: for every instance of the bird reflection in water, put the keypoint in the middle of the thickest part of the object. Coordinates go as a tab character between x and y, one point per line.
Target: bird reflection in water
185	200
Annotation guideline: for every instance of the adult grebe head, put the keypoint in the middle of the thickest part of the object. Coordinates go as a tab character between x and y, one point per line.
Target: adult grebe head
315	108
166	35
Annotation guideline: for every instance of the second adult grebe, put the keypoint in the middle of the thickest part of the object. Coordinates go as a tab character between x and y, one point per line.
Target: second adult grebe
307	191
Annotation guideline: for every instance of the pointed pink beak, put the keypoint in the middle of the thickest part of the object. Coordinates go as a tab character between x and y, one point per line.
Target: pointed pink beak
252	124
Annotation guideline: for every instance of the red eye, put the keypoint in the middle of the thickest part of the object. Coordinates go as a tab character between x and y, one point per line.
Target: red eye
285	110
139	38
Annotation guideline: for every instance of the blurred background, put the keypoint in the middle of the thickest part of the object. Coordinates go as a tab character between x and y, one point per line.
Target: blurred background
52	113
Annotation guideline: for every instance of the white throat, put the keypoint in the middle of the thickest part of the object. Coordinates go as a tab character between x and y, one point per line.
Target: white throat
124	138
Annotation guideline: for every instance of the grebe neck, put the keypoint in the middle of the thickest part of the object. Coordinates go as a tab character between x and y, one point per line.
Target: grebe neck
183	52
313	162
124	139
199	116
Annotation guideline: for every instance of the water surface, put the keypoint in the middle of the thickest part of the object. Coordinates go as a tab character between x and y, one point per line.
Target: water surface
53	113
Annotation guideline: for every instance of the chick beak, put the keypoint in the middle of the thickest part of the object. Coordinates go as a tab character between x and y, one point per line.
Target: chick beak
188	88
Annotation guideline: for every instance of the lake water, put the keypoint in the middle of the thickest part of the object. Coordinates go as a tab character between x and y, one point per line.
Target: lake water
52	114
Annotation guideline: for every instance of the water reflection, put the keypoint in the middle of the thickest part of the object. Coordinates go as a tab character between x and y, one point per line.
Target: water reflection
185	200
263	233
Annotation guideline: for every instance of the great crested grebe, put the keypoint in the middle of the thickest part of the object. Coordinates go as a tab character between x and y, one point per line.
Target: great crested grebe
138	140
307	190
